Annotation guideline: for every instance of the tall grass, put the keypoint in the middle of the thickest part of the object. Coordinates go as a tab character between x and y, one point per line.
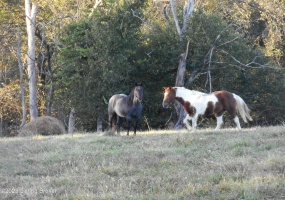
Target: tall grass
206	164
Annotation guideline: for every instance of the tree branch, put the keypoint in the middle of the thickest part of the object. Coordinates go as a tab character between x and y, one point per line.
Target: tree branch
135	15
248	64
97	3
187	12
209	77
165	11
194	75
173	8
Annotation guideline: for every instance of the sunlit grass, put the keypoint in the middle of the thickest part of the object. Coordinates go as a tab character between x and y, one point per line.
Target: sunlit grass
43	137
156	164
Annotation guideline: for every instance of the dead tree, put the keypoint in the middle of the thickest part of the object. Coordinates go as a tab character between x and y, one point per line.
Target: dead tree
180	81
31	14
22	88
180	77
187	12
71	121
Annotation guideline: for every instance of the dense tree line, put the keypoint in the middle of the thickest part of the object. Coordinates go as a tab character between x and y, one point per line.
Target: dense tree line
86	51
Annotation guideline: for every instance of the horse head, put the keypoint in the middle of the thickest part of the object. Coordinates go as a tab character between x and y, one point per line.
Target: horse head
138	92
169	96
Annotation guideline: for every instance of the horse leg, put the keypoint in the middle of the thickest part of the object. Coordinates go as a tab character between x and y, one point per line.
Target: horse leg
110	120
118	125
194	123
219	122
135	126
236	119
233	113
128	127
185	121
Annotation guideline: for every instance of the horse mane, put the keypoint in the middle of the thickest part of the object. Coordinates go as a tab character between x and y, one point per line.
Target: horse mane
130	97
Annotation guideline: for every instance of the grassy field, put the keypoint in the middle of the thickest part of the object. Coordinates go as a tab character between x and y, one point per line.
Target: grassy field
207	164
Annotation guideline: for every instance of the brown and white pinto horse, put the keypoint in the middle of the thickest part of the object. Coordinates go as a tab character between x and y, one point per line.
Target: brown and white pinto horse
197	103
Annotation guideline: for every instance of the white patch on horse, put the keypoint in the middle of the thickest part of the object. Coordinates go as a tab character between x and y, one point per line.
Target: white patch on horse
197	99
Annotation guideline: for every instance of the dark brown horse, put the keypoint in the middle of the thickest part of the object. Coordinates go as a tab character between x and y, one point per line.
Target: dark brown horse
125	106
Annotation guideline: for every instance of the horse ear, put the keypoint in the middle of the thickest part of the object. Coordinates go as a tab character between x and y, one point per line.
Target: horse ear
167	88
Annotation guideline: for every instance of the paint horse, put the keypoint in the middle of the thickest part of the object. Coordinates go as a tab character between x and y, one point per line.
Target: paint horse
197	103
125	106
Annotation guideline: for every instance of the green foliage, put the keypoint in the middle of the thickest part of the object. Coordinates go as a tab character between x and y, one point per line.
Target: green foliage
235	46
10	111
108	53
261	20
97	61
234	66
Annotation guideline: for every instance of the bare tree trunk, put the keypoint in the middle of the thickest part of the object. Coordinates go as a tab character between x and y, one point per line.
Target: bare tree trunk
99	124
173	8
1	125
71	121
99	120
31	60
47	72
50	100
50	88
180	81
22	88
187	12
180	77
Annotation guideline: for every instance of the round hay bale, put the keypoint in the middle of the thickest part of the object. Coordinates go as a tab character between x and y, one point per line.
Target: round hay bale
44	125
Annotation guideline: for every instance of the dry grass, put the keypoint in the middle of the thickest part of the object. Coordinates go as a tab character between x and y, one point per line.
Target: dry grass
206	164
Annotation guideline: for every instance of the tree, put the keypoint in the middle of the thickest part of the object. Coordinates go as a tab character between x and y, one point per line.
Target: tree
97	60
31	57
218	53
84	56
180	77
261	20
21	81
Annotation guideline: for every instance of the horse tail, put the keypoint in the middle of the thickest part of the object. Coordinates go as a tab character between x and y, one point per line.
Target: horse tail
113	120
112	114
242	108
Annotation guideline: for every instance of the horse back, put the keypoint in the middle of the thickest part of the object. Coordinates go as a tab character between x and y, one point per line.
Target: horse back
227	102
113	101
225	98
216	102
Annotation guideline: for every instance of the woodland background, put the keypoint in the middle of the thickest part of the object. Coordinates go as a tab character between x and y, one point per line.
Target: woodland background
88	50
